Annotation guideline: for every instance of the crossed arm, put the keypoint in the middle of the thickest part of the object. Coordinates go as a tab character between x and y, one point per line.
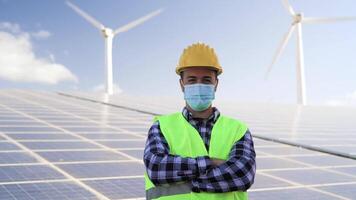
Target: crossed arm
205	174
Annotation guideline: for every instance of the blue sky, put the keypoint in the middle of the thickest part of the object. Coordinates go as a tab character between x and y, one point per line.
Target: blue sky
245	35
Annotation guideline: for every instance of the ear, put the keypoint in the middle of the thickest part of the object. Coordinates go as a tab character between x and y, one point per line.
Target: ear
181	84
217	82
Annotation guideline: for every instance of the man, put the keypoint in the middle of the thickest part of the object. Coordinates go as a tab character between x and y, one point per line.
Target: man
199	153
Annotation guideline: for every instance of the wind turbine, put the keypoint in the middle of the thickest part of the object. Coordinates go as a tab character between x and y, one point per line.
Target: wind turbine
109	34
298	20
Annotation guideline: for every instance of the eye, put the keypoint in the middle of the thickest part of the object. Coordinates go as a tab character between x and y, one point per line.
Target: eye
191	80
207	81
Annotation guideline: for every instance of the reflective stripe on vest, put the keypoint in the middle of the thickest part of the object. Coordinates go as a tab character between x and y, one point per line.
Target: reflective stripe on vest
173	189
184	140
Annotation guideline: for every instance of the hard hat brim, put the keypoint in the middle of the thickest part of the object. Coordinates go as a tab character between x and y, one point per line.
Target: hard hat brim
179	70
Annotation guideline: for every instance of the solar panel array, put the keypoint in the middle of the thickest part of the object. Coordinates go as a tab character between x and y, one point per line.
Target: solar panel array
324	128
58	147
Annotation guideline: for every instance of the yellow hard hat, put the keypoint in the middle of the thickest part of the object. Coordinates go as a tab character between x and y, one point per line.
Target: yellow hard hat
198	55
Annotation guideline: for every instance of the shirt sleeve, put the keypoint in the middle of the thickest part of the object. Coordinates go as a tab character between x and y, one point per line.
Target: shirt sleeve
236	174
163	168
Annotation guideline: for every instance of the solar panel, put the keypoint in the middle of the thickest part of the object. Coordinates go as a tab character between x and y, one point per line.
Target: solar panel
16	157
59	147
321	128
19	173
47	190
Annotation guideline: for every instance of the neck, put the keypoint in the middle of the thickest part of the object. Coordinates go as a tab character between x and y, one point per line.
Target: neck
205	114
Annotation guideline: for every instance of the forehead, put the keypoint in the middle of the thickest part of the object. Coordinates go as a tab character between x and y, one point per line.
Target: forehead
199	72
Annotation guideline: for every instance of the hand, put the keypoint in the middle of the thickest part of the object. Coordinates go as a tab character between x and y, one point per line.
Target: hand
216	162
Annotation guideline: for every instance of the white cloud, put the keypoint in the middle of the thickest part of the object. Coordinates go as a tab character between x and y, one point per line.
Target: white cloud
19	63
101	88
348	100
41	34
13	28
16	29
52	57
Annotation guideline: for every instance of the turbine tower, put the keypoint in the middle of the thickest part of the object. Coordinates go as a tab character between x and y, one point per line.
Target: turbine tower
298	20
109	34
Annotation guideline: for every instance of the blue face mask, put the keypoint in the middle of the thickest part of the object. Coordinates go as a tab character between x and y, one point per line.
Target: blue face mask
199	96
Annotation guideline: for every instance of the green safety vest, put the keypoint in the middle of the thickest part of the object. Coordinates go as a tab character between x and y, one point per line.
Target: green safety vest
184	140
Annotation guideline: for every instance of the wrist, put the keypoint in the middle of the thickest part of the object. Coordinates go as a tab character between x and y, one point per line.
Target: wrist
203	164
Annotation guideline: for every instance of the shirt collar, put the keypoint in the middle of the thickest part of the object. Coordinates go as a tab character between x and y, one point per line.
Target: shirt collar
188	115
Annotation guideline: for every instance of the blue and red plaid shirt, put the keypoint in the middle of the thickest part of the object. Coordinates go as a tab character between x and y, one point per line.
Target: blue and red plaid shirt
235	174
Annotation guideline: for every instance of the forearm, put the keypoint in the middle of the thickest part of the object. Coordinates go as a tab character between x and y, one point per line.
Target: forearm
165	168
233	175
236	174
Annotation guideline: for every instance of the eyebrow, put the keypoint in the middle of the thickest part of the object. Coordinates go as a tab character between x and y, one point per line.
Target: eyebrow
204	77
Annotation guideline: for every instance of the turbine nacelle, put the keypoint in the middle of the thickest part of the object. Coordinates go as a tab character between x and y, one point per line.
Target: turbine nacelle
107	32
297	18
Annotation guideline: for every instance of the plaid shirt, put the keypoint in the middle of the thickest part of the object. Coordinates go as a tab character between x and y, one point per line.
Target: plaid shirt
235	174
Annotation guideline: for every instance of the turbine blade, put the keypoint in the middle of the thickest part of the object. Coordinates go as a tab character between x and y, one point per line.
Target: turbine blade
280	49
86	16
327	20
137	22
288	7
